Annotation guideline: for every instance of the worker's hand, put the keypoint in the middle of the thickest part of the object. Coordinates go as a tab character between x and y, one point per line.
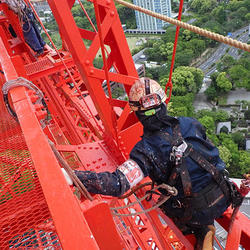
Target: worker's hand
68	179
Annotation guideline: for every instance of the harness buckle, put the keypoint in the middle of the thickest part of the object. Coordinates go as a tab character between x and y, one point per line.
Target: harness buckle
177	204
178	152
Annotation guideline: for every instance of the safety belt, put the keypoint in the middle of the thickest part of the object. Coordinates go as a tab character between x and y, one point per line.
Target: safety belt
180	150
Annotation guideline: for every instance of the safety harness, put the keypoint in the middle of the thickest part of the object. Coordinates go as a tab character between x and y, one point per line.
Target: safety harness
209	195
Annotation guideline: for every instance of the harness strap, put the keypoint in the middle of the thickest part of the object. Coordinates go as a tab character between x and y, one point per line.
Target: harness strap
181	169
185	179
207	197
210	168
178	169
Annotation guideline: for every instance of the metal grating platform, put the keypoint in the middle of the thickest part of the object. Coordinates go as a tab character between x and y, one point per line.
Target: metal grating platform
25	219
35	67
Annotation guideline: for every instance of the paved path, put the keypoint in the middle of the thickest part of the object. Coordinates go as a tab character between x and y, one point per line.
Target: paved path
238	94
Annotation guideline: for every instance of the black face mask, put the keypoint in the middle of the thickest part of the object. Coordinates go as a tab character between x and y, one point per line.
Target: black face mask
157	121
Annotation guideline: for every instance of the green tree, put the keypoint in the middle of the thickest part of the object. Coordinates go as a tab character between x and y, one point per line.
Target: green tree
79	16
178	111
225	155
241	12
208	123
204	112
184	57
244	163
211	93
127	16
219	14
223	83
187	35
247	17
247	114
234	5
238	74
197	45
239	139
183	82
221	116
181	105
226	140
226	62
198	76
203	6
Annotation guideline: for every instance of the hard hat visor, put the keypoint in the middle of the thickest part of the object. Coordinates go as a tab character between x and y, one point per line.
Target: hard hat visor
146	102
150	101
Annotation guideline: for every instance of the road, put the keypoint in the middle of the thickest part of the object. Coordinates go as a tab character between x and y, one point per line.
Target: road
209	66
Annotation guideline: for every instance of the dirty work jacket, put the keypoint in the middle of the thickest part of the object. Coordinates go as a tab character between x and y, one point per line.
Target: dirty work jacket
152	153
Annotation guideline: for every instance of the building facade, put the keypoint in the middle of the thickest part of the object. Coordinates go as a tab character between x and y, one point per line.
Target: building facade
41	6
148	24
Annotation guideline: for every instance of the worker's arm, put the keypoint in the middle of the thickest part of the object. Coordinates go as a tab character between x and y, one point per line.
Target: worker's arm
117	183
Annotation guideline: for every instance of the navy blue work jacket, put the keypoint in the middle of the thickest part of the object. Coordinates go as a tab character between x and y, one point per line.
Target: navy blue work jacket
152	154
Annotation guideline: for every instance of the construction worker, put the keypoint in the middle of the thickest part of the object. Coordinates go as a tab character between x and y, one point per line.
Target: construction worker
30	29
174	151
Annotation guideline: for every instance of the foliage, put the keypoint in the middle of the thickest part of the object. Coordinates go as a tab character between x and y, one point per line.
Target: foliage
221	16
244	163
247	114
117	92
208	123
218	116
238	71
175	6
203	6
211	93
127	16
185	80
98	62
230	145
239	139
239	75
225	63
198	76
79	16
220	85
181	105
225	155
242	123
223	84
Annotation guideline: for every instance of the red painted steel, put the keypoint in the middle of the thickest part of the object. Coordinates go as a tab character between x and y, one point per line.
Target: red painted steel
92	131
169	85
65	214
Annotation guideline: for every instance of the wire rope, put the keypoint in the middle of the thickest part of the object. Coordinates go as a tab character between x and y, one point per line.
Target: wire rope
200	31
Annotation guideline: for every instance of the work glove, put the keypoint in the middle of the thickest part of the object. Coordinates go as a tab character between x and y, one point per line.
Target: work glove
67	177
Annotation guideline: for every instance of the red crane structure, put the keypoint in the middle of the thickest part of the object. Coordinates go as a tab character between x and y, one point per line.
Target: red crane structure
59	96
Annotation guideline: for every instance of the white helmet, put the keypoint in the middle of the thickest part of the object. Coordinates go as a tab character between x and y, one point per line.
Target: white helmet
146	94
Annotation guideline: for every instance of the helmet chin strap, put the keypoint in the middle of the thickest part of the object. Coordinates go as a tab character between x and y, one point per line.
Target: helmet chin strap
147	86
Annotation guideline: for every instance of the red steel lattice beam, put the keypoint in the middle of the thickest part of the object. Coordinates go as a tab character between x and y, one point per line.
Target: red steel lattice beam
65	214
